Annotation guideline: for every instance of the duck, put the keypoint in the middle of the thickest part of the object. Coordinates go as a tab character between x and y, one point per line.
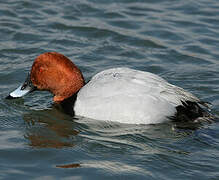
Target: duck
119	94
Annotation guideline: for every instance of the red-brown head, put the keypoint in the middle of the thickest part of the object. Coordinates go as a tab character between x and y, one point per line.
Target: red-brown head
54	72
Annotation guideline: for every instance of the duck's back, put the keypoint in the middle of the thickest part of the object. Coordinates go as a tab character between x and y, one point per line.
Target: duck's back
129	96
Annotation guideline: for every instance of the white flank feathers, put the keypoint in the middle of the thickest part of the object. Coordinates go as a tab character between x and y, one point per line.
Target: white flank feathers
130	96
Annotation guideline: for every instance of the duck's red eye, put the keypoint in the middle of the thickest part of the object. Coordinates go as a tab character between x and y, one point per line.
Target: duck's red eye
42	68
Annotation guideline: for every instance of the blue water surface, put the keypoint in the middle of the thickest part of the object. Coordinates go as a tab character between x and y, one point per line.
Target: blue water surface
175	39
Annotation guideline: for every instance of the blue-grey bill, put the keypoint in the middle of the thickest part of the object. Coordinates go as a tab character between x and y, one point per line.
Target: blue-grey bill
19	92
22	90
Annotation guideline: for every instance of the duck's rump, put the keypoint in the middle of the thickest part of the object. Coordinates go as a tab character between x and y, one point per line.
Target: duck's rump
192	112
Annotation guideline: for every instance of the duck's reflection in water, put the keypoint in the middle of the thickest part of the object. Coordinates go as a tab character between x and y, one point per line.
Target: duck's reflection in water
49	129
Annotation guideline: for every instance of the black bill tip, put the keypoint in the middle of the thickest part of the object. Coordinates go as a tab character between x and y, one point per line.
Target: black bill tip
10	97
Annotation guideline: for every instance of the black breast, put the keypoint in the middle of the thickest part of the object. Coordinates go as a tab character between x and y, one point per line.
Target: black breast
67	106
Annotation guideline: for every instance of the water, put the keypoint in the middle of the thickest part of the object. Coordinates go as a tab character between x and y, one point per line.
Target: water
177	40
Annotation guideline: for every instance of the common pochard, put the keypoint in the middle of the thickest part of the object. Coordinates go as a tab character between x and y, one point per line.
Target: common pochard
120	94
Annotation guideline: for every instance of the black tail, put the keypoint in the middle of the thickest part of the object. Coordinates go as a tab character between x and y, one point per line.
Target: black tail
190	111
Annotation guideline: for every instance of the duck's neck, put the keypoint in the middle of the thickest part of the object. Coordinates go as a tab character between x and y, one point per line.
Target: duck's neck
67	105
